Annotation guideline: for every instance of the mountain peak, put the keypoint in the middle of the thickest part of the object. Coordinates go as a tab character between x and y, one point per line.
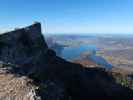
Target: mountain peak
56	78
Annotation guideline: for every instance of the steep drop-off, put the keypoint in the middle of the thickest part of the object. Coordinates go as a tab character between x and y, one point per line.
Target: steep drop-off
56	78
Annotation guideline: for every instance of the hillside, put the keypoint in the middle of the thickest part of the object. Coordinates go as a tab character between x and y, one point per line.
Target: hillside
51	77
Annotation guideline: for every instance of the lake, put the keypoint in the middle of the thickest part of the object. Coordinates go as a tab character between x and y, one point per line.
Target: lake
69	53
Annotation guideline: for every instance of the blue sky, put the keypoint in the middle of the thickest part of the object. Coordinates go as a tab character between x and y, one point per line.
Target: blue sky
69	16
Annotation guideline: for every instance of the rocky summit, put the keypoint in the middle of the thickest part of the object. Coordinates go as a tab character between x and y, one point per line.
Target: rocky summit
22	45
29	70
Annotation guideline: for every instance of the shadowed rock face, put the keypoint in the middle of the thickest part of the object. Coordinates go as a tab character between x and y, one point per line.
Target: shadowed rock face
27	48
20	46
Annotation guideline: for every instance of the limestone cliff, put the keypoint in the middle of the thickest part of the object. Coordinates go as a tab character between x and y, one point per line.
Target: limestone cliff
21	45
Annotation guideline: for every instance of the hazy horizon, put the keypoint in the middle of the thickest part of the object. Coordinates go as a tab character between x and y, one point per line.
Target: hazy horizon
69	16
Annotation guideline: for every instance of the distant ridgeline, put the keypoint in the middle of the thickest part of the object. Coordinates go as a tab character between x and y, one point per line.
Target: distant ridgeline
57	78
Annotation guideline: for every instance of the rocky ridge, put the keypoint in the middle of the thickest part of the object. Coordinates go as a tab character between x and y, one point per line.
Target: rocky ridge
28	57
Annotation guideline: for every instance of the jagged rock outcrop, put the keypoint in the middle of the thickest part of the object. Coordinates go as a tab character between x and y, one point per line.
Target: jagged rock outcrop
22	45
27	49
